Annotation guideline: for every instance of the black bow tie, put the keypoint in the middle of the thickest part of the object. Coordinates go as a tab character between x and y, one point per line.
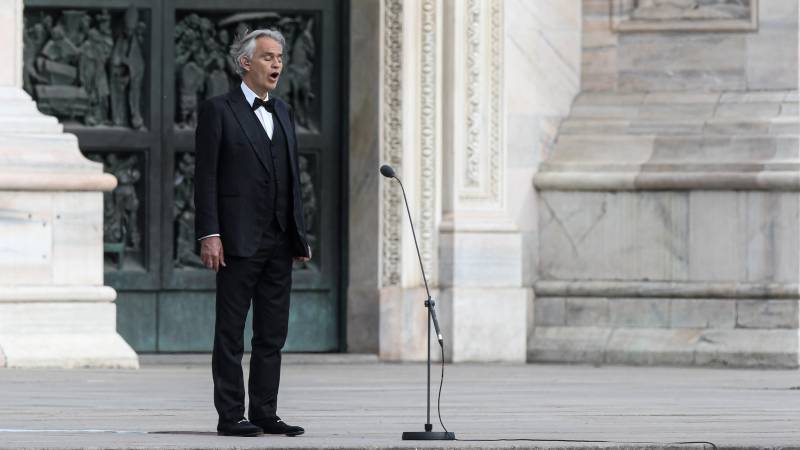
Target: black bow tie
269	105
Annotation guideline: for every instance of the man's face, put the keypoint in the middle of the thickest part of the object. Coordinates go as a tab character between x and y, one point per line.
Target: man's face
265	68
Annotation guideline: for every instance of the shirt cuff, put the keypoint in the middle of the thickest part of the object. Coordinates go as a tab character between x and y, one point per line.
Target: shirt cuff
210	235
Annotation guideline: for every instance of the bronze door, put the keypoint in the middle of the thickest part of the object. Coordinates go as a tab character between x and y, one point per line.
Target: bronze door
127	77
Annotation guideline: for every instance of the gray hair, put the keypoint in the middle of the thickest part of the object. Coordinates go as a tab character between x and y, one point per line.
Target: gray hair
245	45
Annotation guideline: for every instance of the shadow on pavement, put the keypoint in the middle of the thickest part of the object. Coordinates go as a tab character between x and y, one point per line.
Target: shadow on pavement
191	433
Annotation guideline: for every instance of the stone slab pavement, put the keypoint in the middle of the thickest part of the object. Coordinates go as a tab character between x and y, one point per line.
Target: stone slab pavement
347	401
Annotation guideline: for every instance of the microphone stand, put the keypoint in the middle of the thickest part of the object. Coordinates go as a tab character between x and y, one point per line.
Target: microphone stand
428	434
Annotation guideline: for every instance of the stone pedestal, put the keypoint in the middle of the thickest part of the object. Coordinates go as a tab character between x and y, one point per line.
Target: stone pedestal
54	309
670	229
669	210
483	301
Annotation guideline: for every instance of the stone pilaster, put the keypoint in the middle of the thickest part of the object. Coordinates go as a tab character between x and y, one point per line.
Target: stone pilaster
54	309
483	303
410	133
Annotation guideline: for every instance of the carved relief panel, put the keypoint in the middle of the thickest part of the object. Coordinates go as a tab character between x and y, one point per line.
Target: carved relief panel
87	66
204	68
123	211
685	15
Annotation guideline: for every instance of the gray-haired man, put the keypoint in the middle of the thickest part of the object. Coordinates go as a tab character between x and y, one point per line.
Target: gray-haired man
249	219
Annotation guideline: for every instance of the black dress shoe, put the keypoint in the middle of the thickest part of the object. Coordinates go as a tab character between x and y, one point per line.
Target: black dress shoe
240	428
278	426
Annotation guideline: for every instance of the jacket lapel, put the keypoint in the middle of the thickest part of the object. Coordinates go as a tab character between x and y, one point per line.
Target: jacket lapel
250	125
283	119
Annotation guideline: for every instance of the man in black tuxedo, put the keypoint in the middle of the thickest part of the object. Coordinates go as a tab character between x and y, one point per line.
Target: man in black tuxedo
249	218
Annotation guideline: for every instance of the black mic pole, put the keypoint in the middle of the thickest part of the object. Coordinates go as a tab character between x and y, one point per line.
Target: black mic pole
428	434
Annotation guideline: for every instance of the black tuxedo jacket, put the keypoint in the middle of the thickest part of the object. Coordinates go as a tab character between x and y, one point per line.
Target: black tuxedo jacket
234	188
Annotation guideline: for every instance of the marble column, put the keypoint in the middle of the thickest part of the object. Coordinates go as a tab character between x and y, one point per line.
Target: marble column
54	309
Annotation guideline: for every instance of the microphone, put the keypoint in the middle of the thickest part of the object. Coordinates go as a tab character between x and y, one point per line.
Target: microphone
427	435
388	172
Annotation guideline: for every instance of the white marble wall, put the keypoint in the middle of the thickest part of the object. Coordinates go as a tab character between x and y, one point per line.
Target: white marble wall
680	236
541	70
11	50
691	61
364	269
668	210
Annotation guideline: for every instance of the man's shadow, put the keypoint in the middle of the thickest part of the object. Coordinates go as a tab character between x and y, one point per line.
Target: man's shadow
192	433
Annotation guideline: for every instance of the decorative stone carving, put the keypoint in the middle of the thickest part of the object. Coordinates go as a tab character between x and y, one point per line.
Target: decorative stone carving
473	32
691	9
481	181
204	69
392	141
76	69
428	102
689	15
495	101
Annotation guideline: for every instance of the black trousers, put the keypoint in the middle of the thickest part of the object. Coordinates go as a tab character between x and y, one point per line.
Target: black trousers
265	279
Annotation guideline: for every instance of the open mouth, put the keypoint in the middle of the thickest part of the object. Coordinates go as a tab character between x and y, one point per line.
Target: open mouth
274	76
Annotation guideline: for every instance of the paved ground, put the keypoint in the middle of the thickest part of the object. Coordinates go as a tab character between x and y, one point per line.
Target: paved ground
352	402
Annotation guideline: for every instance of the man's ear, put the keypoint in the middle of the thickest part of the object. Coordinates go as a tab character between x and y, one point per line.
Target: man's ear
244	62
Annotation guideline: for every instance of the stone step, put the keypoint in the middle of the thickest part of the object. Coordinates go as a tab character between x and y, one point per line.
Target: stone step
17	106
682	111
638	149
40	152
784	125
13	93
643	98
29	123
685	106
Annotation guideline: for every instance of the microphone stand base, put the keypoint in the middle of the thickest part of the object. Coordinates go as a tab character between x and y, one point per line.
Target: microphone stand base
429	436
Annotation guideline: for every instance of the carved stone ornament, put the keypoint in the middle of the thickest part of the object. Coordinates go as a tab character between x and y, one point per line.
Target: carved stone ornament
685	15
428	140
392	144
480	184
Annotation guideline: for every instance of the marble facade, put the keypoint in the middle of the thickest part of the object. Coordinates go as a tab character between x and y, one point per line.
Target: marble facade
54	309
590	182
662	223
668	211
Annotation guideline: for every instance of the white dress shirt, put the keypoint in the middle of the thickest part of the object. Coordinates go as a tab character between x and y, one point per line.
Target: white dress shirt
264	117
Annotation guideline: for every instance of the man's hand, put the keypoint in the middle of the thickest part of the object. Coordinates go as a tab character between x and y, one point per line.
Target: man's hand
211	253
304	258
